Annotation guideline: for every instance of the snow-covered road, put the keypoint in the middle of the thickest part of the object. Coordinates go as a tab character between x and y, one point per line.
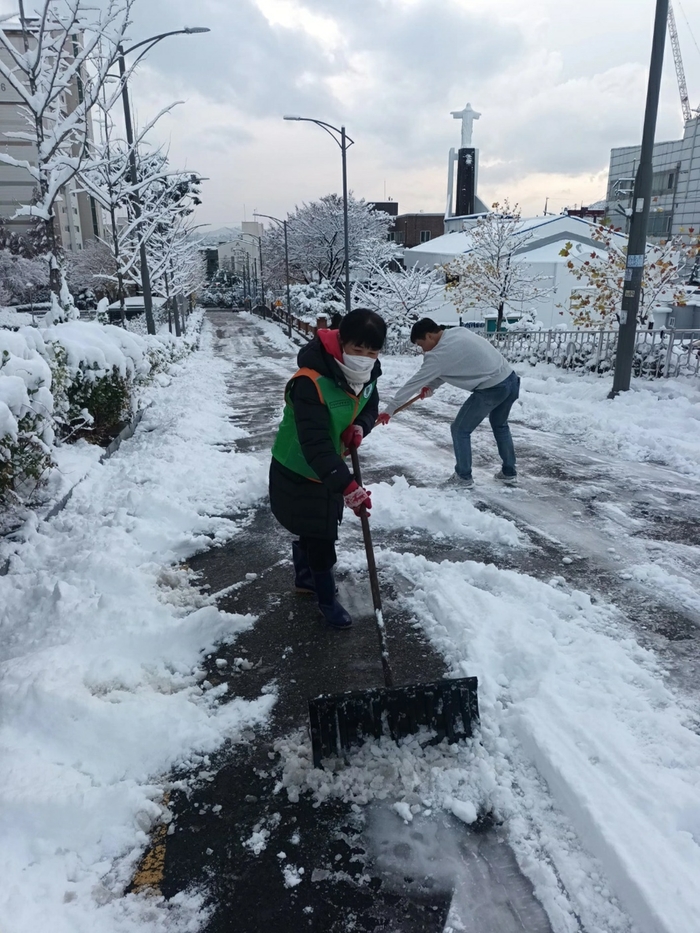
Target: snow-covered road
574	598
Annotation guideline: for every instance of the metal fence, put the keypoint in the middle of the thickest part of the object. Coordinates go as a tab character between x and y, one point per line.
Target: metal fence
658	353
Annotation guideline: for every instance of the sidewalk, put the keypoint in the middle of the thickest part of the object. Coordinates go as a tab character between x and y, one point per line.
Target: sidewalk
155	700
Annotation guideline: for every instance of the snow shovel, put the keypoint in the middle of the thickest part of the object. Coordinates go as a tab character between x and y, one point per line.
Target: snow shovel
449	708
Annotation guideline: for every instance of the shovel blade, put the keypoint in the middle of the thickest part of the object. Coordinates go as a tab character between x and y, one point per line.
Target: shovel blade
338	721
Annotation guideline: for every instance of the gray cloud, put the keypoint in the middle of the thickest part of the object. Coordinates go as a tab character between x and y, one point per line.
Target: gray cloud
417	55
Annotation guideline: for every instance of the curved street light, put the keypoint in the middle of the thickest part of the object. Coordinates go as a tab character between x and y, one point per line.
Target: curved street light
344	142
136	199
283	224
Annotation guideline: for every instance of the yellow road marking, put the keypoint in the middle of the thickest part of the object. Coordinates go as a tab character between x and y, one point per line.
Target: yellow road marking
150	872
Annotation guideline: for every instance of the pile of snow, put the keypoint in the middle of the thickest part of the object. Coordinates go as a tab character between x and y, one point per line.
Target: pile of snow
562	689
25	384
44	373
656	421
444	513
97	350
101	684
414	776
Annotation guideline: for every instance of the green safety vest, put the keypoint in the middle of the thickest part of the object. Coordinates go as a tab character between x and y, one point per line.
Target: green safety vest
343	408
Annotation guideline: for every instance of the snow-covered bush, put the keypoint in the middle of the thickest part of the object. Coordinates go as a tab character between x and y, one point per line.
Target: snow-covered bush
528	322
95	369
26	410
75	379
317	299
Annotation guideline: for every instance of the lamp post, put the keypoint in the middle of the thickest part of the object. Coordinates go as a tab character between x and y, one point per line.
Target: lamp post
136	198
283	223
344	142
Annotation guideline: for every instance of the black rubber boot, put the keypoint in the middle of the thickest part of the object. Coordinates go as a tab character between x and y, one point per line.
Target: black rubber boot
332	611
303	578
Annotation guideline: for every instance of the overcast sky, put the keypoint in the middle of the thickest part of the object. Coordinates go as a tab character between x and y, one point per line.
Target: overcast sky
557	83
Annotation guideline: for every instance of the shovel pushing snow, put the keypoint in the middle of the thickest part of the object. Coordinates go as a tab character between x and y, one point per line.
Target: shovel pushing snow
449	708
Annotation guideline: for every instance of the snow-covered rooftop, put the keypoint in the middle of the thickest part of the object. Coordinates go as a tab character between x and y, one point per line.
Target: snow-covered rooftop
555	230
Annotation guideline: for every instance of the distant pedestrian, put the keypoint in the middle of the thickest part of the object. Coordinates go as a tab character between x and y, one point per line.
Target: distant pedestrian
463	359
331	405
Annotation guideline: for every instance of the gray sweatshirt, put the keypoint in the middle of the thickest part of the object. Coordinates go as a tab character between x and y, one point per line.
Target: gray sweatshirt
462	359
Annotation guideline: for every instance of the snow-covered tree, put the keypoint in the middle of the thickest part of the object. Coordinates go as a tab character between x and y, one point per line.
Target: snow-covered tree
490	275
317	243
400	295
57	71
315	299
106	175
92	269
601	272
184	271
166	204
21	280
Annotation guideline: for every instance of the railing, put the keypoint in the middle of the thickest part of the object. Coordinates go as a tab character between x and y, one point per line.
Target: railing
305	328
658	353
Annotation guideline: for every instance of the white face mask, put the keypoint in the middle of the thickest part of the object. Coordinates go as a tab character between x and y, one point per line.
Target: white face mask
358	364
357	370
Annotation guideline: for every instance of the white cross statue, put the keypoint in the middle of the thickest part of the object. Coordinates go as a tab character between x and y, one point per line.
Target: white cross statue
467	116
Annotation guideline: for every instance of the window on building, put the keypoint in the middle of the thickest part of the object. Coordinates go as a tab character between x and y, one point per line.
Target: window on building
398	236
75	210
63	209
663	182
660	223
77	229
67	228
424	236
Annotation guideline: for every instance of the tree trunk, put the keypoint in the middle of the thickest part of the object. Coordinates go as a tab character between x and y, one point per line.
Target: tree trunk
499	319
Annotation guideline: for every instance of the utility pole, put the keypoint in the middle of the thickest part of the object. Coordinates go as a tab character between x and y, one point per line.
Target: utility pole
136	199
636	245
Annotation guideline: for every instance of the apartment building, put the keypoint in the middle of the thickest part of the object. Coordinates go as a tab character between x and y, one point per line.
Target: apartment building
77	216
675	195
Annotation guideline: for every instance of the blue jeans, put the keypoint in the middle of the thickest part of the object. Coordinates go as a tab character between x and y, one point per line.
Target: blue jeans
495	402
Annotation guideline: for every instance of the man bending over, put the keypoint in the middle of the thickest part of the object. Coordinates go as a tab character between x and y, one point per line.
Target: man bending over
463	359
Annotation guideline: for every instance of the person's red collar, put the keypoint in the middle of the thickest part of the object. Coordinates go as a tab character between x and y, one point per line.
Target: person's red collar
330	341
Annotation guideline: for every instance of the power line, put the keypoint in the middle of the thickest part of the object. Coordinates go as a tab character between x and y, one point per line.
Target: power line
680	7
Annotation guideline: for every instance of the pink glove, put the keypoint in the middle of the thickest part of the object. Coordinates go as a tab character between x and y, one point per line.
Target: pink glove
352	436
384	418
426	392
356	497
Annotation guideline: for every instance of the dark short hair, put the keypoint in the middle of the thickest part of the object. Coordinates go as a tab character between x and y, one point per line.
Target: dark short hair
364	328
423	327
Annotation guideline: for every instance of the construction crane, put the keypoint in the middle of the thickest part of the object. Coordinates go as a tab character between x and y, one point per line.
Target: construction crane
680	72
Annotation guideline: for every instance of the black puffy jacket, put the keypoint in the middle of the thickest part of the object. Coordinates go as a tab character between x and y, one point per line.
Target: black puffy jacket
301	505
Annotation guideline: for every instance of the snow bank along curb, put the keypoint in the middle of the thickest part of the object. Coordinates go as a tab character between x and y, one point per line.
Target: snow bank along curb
100	685
110	450
71	378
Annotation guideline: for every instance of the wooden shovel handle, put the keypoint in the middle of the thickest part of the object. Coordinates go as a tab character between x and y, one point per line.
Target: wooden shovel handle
373	578
406	404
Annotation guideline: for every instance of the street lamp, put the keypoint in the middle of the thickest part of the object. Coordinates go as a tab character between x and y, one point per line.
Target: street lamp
286	266
136	198
344	141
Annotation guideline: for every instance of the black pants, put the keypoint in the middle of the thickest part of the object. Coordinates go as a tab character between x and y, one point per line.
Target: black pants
320	553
